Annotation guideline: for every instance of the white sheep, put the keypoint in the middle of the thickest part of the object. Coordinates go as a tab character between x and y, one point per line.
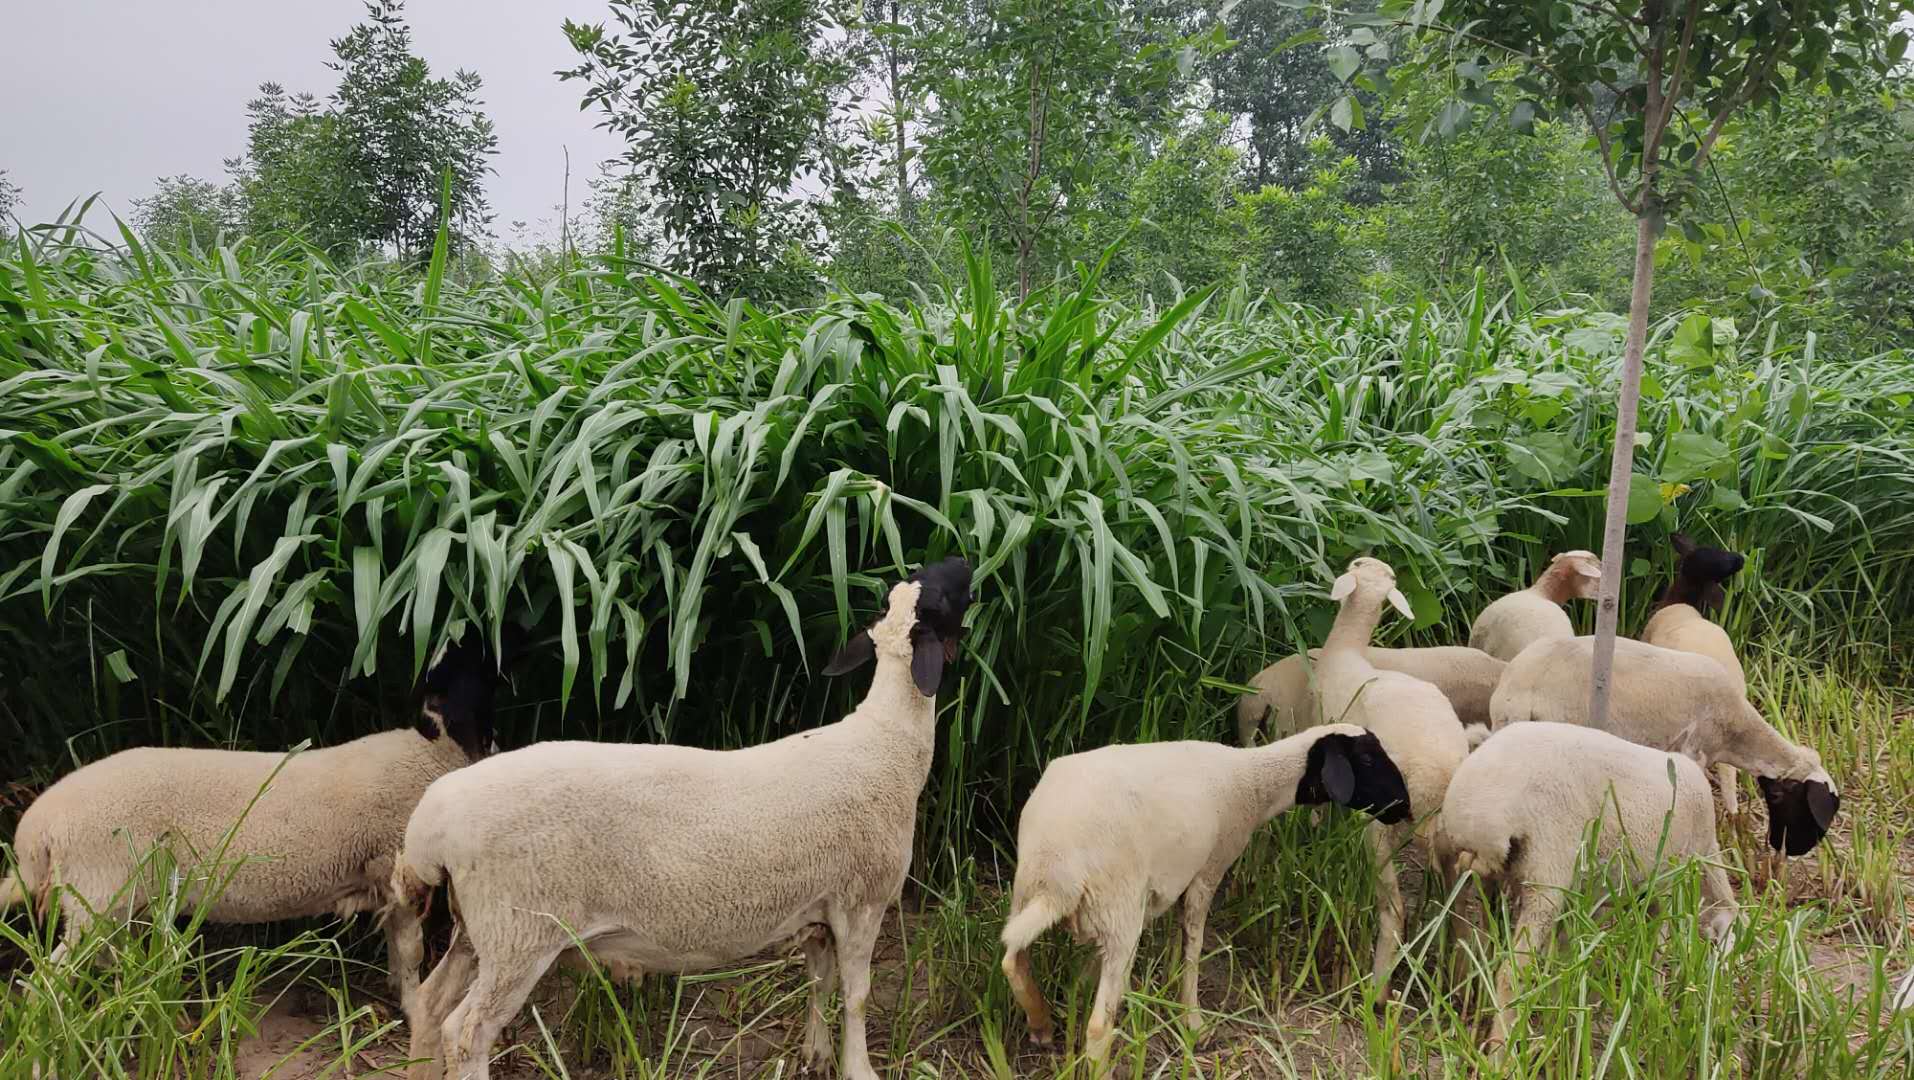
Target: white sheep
1416	723
1112	837
1680	702
1680	622
320	839
1519	807
674	859
1513	622
1285	701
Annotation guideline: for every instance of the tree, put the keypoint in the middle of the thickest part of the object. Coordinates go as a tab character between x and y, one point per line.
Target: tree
1040	105
724	106
296	178
9	198
1657	81
1274	76
401	130
187	212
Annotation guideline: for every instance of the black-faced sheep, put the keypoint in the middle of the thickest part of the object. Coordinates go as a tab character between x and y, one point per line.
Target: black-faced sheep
1112	837
674	859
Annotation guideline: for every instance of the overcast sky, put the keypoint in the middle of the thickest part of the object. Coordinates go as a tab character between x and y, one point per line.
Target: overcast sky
106	95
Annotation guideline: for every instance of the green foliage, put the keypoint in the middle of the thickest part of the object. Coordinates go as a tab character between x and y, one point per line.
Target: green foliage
295	178
317	474
1182	226
401	131
9	198
1042	105
188	212
1275	77
1300	243
724	106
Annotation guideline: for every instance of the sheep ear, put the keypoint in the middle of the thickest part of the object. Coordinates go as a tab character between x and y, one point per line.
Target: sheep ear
1344	585
855	654
1682	544
1401	603
1822	804
1588	569
927	663
1338	776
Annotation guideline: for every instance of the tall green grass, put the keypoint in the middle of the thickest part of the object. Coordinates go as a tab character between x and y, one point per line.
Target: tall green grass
243	493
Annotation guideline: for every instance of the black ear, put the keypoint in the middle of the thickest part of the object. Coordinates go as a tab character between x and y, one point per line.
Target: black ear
1338	776
927	662
1823	803
855	654
1682	544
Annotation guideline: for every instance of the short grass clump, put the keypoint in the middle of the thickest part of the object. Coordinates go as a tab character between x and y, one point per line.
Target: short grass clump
243	494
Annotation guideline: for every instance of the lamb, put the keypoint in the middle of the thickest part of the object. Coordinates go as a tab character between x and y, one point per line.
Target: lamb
1112	837
669	858
1416	723
1518	808
1679	702
321	837
1285	702
1513	622
1680	623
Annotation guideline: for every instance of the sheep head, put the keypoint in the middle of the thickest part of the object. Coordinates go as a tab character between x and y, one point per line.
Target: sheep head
1573	575
461	686
1801	803
1372	579
924	623
1699	575
1349	767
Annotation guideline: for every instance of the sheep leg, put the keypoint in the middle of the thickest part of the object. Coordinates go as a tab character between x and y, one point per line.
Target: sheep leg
1533	930
1196	912
405	951
1717	906
441	990
820	965
1730	795
1119	952
1023	987
1383	842
504	982
855	933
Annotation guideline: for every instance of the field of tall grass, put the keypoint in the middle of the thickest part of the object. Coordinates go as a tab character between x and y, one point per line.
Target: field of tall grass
244	493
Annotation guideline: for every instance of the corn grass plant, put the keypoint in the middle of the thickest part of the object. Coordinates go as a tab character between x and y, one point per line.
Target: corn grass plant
244	493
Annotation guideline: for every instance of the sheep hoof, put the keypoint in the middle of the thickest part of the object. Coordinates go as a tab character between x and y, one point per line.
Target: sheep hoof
1043	1038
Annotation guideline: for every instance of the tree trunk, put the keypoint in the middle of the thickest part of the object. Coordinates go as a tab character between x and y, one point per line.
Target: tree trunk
1621	469
897	120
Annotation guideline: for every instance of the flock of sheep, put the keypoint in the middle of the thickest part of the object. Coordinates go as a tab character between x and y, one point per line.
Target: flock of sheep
1480	756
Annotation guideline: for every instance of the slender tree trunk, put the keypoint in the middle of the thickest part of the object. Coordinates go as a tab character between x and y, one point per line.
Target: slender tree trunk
897	122
1621	469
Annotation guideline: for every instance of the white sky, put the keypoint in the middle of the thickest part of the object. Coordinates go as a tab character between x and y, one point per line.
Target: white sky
107	95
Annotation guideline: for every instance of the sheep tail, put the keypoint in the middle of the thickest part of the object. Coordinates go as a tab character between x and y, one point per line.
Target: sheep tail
1027	924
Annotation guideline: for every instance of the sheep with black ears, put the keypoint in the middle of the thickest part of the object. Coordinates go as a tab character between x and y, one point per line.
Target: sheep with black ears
669	858
1519	806
320	839
1513	622
1683	703
1680	622
1285	701
1112	837
1417	726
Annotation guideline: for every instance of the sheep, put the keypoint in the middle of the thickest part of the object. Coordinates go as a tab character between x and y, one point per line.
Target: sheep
1680	702
1285	702
1112	837
1512	622
1680	622
1416	723
1518	809
669	858
320	837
